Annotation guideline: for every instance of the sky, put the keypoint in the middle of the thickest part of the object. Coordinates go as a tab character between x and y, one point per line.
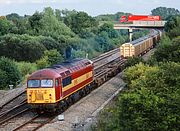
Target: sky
92	7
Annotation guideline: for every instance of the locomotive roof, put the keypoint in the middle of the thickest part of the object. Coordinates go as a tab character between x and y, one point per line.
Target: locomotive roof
44	73
61	69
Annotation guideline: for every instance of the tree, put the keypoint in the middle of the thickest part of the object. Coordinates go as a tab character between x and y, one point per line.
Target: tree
35	22
168	51
172	27
6	26
165	12
26	68
49	43
3	79
131	61
152	102
52	27
141	110
58	14
50	58
108	27
10	72
104	41
32	50
21	47
13	17
80	22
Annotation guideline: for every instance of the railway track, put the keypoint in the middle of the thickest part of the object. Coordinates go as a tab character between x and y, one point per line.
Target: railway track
13	101
14	107
105	55
35	123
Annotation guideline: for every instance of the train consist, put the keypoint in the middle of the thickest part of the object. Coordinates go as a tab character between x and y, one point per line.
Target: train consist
57	87
140	46
132	18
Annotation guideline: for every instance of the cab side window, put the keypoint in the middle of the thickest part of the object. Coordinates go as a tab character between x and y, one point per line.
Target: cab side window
66	81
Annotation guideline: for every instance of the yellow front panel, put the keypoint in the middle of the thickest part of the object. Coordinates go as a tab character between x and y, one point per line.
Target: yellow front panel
41	95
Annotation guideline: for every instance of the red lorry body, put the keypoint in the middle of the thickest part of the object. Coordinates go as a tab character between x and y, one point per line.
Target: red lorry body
132	18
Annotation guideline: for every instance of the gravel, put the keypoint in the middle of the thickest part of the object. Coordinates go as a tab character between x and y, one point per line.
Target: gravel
5	96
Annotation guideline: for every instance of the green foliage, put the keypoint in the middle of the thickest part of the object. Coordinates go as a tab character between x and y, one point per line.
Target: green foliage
21	47
35	22
6	26
34	49
3	79
135	72
108	27
78	54
80	23
165	12
104	42
42	63
52	27
168	51
139	110
152	102
131	61
20	23
50	57
13	17
49	43
172	27
26	68
139	33
162	83
8	72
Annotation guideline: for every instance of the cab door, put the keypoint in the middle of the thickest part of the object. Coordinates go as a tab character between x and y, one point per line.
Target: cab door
58	88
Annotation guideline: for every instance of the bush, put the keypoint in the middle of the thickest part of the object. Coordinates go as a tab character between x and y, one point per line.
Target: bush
21	47
152	102
26	68
131	61
9	69
168	51
3	79
50	57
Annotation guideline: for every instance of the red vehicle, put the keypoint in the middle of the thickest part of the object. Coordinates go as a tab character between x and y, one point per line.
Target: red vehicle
132	18
49	89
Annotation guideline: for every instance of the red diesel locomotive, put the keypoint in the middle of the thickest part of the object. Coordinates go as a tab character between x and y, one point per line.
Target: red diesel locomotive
50	88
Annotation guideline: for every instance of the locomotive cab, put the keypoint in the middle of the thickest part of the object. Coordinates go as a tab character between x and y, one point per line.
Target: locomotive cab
44	89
